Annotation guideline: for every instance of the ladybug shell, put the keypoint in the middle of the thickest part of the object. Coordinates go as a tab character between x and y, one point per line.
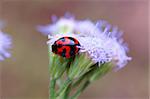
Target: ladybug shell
66	47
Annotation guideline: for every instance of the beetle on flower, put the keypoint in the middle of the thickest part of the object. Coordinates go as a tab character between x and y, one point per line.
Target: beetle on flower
100	50
102	41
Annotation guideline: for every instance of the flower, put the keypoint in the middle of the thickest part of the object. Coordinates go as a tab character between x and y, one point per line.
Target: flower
100	40
107	45
5	44
63	25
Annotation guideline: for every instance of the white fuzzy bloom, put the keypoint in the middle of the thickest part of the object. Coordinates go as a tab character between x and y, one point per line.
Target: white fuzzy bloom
5	44
101	41
63	26
105	50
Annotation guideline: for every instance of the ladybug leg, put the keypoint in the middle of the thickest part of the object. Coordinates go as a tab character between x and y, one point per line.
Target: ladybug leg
64	52
73	50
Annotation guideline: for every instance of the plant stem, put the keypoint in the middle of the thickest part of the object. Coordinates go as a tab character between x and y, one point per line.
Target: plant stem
66	93
64	87
52	89
80	90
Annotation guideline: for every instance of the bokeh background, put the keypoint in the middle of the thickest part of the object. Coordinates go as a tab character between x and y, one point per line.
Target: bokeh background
25	75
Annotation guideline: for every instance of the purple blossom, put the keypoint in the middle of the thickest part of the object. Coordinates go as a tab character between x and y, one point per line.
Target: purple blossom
100	40
63	25
5	45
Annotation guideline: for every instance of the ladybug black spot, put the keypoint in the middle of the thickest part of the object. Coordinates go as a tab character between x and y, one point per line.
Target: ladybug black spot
59	46
63	39
64	52
71	39
72	51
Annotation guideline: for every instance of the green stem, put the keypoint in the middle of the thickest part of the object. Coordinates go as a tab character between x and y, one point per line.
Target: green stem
66	93
80	90
52	89
59	82
64	87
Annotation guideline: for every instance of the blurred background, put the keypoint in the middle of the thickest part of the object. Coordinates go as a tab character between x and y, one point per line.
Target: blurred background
25	75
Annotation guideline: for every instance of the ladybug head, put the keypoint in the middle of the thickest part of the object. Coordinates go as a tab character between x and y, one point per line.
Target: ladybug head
54	48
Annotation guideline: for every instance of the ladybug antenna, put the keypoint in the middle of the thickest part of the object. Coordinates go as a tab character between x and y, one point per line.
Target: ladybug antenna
82	49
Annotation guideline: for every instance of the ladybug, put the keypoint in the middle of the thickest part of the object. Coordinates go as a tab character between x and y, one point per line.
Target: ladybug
66	47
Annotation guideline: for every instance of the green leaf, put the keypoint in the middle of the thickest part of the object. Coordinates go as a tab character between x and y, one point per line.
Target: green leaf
80	66
100	71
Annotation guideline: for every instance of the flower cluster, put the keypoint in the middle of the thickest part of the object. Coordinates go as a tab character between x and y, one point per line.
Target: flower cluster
5	44
100	40
98	48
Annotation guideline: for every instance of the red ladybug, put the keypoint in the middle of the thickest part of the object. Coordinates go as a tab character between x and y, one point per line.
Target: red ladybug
66	47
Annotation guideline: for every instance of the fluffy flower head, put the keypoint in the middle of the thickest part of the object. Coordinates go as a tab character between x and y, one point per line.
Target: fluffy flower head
63	25
100	40
5	44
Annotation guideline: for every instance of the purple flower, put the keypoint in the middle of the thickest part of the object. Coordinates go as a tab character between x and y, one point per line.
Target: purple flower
104	44
5	45
100	40
63	25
